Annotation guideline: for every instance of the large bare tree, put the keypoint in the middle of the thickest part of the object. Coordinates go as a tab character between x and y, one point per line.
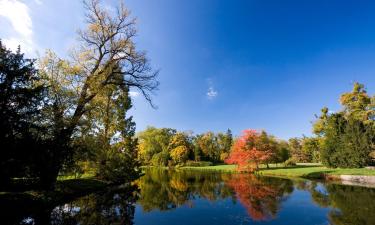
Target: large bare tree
105	57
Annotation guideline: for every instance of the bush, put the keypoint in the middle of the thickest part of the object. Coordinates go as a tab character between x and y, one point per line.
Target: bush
198	163
290	162
160	159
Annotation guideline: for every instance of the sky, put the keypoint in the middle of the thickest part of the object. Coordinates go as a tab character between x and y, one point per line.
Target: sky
235	64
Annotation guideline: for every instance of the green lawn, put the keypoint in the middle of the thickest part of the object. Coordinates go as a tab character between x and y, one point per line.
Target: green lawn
307	170
314	171
223	168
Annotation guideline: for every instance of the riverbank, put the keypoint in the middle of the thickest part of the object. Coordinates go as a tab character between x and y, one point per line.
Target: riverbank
303	170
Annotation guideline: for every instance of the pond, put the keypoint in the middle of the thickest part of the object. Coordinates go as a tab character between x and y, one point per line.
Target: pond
190	197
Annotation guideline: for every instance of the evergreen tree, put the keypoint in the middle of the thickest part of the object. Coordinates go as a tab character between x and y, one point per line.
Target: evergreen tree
21	98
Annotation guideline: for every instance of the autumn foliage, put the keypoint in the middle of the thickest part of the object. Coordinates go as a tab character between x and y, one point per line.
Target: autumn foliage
249	150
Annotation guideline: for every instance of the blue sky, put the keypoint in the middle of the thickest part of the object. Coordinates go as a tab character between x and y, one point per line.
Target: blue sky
226	64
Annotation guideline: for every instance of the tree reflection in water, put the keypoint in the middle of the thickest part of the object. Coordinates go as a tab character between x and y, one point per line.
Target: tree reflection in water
115	206
260	196
163	190
166	189
352	205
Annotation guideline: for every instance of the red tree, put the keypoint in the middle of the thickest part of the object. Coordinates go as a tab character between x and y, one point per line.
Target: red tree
248	151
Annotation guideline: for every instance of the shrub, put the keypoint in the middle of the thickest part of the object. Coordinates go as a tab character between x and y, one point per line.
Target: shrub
290	162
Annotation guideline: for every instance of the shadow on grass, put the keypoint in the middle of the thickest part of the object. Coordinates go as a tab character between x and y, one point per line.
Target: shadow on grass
317	175
290	167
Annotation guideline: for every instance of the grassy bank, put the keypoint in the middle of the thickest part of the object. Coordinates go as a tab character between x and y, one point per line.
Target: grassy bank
306	170
314	171
221	168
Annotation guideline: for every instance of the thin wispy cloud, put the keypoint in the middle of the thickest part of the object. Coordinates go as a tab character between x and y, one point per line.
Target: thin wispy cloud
211	92
17	13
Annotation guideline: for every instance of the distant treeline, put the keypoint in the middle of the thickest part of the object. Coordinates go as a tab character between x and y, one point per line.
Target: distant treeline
342	139
169	147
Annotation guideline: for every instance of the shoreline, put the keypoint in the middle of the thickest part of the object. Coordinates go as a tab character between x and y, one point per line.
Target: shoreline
357	177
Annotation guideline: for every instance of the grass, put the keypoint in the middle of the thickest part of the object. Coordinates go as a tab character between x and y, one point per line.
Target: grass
305	170
314	171
222	168
80	176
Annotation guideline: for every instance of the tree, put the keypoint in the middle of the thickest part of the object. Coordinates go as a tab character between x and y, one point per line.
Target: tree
311	148
296	150
154	141
21	97
179	148
282	152
248	152
117	158
180	154
106	57
357	104
347	143
197	151
225	142
179	139
348	136
208	144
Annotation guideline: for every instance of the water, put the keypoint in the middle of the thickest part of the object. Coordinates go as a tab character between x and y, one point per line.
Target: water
190	197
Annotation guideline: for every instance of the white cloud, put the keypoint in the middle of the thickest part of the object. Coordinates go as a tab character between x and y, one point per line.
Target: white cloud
211	92
39	2
133	94
17	13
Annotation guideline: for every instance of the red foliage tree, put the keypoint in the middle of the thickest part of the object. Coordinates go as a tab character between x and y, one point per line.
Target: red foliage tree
248	151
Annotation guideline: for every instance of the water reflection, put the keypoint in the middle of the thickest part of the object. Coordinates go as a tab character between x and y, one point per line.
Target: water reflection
351	205
261	196
238	197
166	189
114	206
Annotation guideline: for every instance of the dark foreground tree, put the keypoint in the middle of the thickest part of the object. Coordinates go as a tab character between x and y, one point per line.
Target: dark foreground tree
21	98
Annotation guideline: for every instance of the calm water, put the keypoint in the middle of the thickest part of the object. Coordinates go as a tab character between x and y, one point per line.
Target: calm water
187	197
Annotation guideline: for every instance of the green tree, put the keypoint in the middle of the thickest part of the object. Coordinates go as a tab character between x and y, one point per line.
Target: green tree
311	148
348	137
347	143
357	104
21	97
296	150
282	152
209	146
225	142
154	142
